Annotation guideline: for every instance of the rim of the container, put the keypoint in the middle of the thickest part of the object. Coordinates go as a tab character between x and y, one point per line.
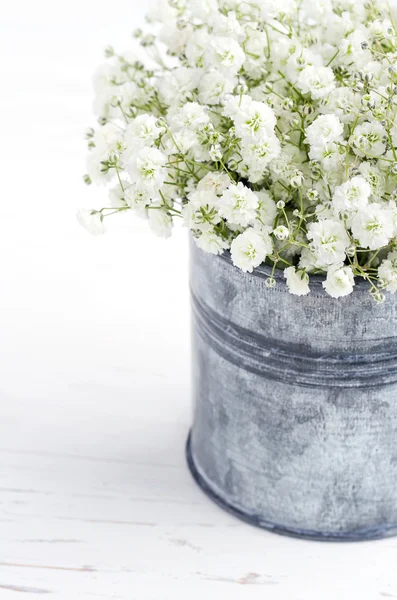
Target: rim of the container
316	280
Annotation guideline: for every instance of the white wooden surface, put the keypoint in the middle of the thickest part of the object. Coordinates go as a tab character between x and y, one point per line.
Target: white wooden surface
95	497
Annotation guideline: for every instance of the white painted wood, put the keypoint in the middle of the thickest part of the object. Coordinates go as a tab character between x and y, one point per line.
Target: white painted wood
95	497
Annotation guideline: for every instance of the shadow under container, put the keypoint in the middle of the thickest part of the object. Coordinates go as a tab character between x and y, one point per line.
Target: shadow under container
295	403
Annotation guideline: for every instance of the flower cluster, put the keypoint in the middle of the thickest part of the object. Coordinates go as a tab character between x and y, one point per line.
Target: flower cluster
268	128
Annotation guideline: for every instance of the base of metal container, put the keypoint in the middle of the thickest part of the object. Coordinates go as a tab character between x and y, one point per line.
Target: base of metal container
353	536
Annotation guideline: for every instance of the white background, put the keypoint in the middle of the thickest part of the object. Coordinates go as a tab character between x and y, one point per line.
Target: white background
95	498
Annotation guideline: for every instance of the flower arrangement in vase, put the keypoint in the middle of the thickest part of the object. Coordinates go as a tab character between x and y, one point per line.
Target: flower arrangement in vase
269	129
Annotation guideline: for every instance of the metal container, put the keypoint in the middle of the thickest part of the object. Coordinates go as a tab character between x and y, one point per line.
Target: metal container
295	418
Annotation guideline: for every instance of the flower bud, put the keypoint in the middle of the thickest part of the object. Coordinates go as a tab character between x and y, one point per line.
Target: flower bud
281	232
116	101
358	86
297	179
270	282
378	296
288	104
215	153
241	89
131	112
308	109
312	195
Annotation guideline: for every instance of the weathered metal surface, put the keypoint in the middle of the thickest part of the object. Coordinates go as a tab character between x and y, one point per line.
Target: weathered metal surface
295	418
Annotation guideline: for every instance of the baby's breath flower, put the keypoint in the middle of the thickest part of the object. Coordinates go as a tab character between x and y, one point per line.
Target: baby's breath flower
209	241
238	205
339	282
373	226
297	281
249	249
267	129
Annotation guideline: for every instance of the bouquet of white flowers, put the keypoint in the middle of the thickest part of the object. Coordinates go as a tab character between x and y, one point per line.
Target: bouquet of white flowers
268	128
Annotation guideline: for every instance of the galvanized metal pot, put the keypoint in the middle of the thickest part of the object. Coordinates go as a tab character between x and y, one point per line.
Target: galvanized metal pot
295	420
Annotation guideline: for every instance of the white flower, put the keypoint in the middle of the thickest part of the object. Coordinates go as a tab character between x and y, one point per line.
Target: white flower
182	141
258	154
324	130
191	116
329	155
329	241
107	138
205	10
173	37
318	81
351	50
250	248
147	169
214	86
225	54
236	105
344	103
160	222
91	220
299	60
373	226
339	282
368	139
388	272
176	85
214	182
308	261
196	47
201	211
351	196
324	136
137	199
211	242
143	131
255	119
255	48
297	281
238	205
228	25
